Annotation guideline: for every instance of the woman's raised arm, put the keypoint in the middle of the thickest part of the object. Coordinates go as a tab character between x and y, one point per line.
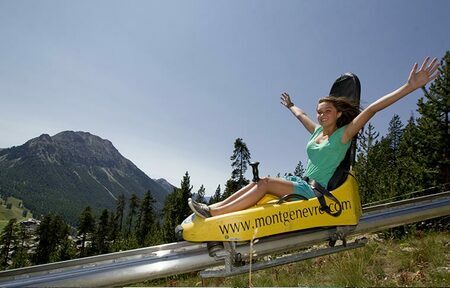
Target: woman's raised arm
416	79
298	113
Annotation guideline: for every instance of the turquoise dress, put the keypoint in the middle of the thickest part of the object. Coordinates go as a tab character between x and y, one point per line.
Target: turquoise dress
323	159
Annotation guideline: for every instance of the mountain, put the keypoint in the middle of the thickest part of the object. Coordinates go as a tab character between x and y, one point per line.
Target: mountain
165	184
66	173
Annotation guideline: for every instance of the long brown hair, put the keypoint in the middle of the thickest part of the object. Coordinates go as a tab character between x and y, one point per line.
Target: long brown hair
346	106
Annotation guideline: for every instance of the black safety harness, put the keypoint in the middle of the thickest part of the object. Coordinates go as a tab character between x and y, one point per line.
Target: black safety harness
321	193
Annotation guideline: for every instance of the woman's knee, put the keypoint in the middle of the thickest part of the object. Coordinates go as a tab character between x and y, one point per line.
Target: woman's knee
264	183
277	186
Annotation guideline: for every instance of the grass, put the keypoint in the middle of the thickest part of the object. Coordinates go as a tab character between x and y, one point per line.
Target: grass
418	260
15	212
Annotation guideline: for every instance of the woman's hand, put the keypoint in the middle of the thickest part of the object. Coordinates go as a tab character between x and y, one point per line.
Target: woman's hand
298	113
286	100
425	74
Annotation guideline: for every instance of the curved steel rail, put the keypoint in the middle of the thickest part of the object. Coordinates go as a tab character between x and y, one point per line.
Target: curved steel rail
138	265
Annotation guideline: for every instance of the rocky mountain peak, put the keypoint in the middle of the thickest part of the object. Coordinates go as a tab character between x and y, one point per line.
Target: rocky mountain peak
83	146
42	140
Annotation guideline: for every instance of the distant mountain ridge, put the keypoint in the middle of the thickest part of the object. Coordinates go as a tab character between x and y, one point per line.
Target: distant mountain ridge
165	184
66	172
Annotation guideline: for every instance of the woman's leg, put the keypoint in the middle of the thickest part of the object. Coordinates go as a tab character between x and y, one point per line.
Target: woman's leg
276	186
234	196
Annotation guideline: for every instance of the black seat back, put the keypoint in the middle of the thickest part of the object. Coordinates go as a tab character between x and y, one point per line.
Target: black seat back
347	85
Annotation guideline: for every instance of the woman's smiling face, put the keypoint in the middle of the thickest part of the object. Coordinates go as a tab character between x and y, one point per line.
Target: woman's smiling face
327	114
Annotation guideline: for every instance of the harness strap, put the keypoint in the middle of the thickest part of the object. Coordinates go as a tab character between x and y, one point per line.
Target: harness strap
288	197
321	193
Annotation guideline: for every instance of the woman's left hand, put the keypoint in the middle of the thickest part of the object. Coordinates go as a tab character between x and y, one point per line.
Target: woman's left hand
425	74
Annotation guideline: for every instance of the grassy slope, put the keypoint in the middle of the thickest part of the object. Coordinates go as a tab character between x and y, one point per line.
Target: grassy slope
418	260
14	212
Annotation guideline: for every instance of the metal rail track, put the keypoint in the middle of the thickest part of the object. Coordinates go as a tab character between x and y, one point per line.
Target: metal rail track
138	265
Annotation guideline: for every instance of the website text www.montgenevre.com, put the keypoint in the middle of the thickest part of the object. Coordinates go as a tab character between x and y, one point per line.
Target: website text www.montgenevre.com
280	217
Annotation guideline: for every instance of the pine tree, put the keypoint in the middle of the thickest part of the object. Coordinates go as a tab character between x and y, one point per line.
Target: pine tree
200	196
367	139
392	178
384	177
86	227
171	215
132	211
157	235
216	197
240	159
120	207
100	243
299	170
59	231
44	247
147	218
51	233
176	208
113	227
8	241
409	161
433	126
21	258
395	131
185	194
67	249
366	168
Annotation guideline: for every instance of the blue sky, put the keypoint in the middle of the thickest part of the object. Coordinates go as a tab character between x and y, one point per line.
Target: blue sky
173	83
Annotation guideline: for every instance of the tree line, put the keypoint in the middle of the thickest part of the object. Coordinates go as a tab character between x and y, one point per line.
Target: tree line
410	157
133	224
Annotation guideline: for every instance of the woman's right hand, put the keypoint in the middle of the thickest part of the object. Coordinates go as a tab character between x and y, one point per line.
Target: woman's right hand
298	113
286	100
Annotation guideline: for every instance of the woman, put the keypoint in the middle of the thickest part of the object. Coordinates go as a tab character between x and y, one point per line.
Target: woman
338	122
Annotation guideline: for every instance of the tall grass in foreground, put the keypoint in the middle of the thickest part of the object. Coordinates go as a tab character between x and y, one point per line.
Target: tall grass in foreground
417	260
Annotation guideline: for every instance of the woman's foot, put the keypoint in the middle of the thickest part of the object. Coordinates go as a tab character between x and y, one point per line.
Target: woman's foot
199	209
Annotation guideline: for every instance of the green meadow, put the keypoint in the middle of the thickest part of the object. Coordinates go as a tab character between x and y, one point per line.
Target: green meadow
16	211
